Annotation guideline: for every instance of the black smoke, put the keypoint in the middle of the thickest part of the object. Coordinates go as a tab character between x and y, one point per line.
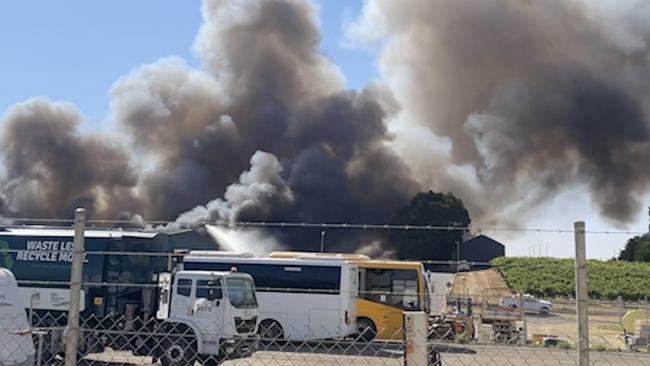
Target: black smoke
266	131
519	101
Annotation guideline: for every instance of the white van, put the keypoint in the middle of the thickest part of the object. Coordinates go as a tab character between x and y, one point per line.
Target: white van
16	345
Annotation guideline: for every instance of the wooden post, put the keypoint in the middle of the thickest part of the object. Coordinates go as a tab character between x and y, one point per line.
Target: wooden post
72	334
582	296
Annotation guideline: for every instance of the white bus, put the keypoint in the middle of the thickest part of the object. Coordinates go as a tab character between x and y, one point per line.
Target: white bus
299	299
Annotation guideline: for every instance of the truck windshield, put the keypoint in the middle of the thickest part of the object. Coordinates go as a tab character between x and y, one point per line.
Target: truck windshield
241	292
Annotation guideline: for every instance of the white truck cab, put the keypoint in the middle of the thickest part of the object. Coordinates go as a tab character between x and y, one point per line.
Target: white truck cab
16	345
211	316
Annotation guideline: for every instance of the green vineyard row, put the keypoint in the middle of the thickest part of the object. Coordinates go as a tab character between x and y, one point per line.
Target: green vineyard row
551	277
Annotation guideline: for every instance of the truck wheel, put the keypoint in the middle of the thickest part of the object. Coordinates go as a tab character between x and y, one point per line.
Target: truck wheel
270	330
367	329
500	338
179	349
211	362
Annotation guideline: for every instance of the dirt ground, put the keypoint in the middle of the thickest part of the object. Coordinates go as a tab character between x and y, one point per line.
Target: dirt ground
478	284
604	321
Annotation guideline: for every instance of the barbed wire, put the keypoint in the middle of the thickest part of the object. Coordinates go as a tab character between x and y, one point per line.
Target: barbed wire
200	252
447	293
100	253
59	284
162	225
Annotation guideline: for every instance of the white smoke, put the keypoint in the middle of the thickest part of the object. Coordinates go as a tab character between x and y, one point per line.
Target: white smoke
376	250
241	240
259	190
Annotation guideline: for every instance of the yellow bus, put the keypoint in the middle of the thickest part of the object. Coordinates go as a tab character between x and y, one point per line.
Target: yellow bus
386	290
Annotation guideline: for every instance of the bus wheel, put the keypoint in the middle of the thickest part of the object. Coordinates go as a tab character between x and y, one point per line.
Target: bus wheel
179	348
270	330
367	329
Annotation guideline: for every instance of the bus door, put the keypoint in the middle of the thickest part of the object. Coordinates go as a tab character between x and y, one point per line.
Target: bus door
395	290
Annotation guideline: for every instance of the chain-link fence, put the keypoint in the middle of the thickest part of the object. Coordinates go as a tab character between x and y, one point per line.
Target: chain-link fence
152	309
515	329
122	340
126	340
463	334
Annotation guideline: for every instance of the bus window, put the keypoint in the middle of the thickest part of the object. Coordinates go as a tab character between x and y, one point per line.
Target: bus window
393	287
270	277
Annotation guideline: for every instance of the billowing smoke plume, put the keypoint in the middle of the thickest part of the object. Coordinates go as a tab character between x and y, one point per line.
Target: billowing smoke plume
502	102
266	104
523	98
51	168
260	191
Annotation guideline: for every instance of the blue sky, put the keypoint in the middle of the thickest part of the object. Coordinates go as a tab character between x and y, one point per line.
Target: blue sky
74	50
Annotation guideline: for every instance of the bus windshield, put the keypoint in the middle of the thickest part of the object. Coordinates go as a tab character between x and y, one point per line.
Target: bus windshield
241	292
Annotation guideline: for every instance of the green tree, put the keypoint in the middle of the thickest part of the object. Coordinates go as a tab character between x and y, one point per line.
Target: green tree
435	209
637	249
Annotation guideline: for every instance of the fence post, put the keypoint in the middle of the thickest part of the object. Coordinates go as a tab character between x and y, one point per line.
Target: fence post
72	334
522	313
621	306
416	334
582	298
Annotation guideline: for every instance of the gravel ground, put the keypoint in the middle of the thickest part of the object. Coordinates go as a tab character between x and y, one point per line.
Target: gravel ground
485	355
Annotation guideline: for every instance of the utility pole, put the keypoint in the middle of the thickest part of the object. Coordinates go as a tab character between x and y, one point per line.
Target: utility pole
546	249
72	334
582	298
522	315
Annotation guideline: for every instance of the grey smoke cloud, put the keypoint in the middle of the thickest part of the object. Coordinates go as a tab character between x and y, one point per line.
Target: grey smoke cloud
531	96
175	117
317	152
505	103
50	167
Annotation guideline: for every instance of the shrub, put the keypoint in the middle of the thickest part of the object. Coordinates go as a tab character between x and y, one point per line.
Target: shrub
600	347
564	344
